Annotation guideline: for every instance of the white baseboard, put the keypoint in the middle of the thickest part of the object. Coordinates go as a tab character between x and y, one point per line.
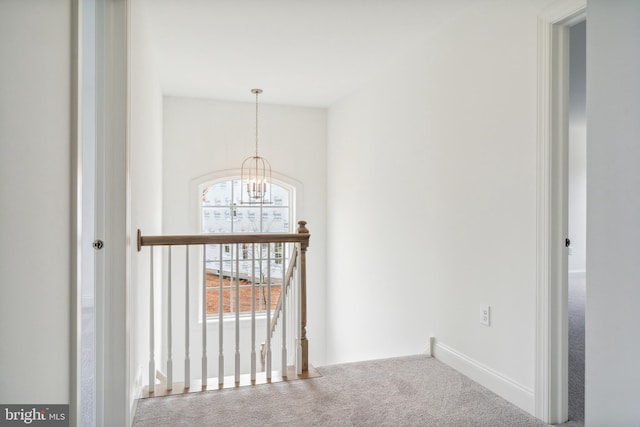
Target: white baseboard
132	410
521	396
136	394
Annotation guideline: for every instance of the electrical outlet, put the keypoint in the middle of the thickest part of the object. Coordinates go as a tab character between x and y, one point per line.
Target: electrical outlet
485	315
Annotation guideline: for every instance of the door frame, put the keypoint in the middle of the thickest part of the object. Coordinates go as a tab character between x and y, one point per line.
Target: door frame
114	403
76	225
551	346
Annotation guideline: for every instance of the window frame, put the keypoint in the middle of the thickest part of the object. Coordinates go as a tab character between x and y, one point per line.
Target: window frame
293	189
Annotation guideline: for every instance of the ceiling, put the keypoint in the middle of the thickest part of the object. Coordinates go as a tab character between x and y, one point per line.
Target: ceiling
300	52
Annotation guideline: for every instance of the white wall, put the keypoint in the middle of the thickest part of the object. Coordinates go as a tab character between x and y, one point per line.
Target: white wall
35	199
578	150
206	136
431	201
613	211
146	191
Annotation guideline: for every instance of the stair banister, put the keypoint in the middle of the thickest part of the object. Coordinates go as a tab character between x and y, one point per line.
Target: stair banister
297	261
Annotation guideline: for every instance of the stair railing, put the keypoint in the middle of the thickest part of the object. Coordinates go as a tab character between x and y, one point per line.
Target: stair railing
285	309
289	308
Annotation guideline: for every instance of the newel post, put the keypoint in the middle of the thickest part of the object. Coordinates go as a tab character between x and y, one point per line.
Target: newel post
302	229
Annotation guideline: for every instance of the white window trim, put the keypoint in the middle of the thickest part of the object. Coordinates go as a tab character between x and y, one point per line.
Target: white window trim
195	224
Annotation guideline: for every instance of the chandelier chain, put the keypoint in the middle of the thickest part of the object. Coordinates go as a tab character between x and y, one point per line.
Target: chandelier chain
257	92
256	124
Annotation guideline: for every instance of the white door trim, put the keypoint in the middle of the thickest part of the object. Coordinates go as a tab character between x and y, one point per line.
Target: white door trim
75	359
551	358
112	271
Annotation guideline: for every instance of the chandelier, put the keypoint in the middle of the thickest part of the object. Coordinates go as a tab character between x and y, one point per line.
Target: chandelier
255	175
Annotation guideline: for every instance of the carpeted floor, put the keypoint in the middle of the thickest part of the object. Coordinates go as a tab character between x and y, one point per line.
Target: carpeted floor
88	366
577	295
406	391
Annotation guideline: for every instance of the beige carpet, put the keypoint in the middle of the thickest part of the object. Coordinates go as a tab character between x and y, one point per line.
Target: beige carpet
577	297
406	391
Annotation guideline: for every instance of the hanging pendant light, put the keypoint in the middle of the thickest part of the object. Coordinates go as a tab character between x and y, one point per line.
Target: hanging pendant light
255	175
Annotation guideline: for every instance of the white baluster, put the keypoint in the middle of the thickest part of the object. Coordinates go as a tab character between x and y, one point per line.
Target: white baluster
291	292
152	362
293	303
204	316
187	361
231	275
169	356
283	315
292	318
237	373
299	312
220	324
292	306
261	279
268	312
253	312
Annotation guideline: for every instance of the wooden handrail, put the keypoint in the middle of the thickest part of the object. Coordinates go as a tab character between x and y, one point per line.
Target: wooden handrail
208	239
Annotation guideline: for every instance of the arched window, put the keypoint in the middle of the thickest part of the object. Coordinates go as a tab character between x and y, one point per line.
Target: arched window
222	212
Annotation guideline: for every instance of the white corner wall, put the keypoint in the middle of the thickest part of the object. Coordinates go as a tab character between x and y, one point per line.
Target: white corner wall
145	170
203	136
431	203
35	78
613	211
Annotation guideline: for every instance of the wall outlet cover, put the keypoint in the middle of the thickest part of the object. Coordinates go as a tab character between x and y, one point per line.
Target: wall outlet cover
485	315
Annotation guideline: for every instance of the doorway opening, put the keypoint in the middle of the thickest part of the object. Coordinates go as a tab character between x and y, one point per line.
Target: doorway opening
552	317
577	224
86	394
